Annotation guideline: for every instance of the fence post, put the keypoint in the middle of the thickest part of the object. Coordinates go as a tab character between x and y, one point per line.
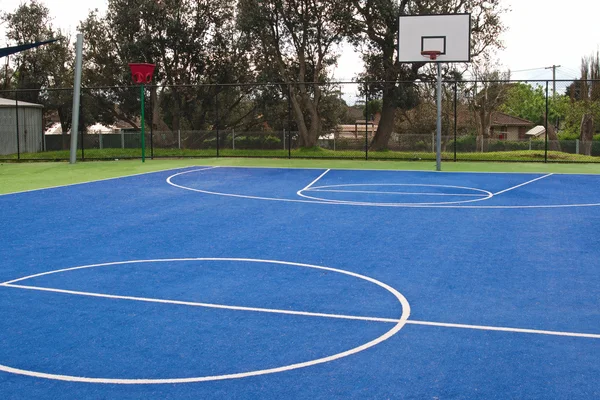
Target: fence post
455	116
546	126
217	115
18	133
289	120
151	125
366	121
82	147
80	124
576	146
43	132
122	139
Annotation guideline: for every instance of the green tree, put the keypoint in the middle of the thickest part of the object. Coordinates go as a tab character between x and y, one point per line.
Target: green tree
295	42
374	30
39	73
527	101
194	44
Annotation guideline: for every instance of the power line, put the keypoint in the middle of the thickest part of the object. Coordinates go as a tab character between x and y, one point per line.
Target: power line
529	69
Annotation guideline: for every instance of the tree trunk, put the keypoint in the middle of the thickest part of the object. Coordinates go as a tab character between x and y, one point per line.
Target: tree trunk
385	127
303	134
587	133
64	126
386	123
553	143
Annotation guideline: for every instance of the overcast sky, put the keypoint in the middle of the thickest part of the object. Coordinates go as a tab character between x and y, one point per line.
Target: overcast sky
540	33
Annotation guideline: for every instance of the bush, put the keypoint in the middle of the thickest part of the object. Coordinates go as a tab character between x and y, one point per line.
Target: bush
256	142
467	143
508	145
566	135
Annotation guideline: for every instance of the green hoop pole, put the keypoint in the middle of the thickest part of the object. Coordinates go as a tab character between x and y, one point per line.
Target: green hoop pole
143	122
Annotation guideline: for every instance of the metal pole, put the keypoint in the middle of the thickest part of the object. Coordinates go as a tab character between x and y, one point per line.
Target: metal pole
438	156
43	133
18	133
546	126
76	99
553	68
151	125
366	121
455	115
80	129
143	123
289	120
217	116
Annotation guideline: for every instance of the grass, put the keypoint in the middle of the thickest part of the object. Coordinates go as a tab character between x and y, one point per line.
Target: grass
114	154
15	177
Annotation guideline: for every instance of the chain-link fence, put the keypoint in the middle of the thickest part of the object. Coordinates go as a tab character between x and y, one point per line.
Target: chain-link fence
538	121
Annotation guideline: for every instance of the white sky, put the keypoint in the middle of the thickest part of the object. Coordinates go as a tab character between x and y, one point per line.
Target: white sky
540	33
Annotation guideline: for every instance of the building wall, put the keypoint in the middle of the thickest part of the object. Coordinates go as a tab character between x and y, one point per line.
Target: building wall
512	133
30	130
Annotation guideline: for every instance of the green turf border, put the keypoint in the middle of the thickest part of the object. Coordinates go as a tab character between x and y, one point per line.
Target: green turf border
17	177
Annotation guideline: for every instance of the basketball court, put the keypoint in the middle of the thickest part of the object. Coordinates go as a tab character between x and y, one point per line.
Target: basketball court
222	282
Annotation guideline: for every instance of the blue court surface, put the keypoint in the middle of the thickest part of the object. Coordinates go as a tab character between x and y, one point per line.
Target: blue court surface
243	283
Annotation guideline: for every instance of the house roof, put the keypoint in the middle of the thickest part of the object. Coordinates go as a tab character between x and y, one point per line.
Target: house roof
536	131
465	117
502	119
9	103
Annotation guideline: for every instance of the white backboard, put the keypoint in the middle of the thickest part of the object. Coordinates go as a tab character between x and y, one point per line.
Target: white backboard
450	34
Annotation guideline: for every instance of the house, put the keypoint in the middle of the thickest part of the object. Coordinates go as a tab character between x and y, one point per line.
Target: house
358	128
507	127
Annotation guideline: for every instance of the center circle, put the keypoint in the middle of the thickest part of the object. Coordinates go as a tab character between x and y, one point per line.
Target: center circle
71	378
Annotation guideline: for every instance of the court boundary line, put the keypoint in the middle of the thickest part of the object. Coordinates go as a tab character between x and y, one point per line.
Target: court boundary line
305	313
411	170
523	184
97	180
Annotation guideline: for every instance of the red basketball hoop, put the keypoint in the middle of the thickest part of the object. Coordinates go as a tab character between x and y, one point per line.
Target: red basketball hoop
141	73
431	54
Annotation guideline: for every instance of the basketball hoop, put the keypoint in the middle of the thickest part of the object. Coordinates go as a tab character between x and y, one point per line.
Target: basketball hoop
431	54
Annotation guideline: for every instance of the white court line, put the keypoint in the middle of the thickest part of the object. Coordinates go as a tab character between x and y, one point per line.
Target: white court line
399	324
309	314
97	180
204	305
487	196
412	170
315	181
522	184
504	329
169	180
401	193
